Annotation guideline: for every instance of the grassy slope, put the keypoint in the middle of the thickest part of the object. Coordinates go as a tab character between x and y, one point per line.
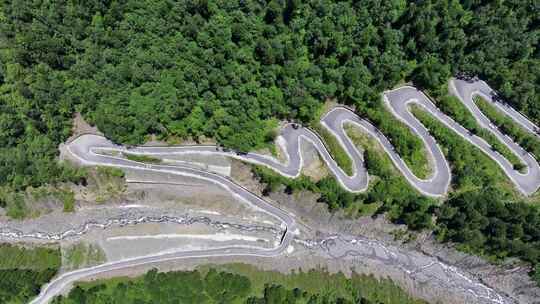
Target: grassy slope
471	168
83	254
12	257
378	163
24	270
528	141
25	204
335	149
451	106
409	146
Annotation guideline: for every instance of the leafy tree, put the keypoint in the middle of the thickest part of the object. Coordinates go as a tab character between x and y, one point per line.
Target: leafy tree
224	287
228	69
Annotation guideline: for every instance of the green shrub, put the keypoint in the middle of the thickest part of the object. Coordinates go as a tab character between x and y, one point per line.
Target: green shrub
110	172
142	158
68	200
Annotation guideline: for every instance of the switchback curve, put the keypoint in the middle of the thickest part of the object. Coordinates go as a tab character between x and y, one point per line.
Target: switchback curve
88	149
398	101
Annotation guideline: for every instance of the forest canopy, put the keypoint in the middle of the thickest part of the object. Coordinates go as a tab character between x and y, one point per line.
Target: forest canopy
230	69
225	287
24	269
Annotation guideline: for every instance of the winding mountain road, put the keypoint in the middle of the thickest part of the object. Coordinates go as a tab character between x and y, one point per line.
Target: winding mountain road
398	101
92	150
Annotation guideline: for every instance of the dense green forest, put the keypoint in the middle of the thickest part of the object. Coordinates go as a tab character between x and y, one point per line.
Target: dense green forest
215	286
24	270
483	214
229	69
488	223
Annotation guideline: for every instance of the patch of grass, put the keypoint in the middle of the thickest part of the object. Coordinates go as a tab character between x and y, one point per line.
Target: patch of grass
20	257
101	183
14	203
106	183
68	199
62	195
535	274
316	170
23	270
16	206
371	147
364	209
81	255
453	107
111	282
27	204
110	172
408	145
273	181
504	150
528	141
403	235
142	158
335	149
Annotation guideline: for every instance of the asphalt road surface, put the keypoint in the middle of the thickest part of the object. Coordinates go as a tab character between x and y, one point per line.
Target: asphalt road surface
89	150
